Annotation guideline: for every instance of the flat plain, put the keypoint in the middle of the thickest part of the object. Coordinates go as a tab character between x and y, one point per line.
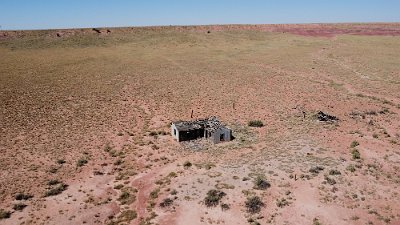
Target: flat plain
85	119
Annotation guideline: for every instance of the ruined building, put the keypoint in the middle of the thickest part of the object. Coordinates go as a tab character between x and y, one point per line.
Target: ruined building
210	128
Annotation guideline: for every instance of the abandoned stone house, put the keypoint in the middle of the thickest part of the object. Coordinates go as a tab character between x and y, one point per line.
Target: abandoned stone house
210	128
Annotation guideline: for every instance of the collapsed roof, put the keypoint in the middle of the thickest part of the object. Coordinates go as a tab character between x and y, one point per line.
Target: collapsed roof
210	124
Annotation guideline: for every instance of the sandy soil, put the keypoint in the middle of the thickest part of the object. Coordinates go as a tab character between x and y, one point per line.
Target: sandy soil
91	109
313	30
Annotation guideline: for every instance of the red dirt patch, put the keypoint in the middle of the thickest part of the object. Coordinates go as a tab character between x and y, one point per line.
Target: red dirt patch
323	30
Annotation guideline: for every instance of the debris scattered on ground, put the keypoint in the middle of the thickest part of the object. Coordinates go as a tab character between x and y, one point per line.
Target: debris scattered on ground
324	117
197	145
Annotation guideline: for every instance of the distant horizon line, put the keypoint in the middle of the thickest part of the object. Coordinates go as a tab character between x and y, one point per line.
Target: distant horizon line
195	25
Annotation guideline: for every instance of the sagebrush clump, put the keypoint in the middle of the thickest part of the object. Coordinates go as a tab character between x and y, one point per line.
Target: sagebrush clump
225	206
55	188
4	214
154	194
187	164
316	169
166	202
256	123
354	144
329	180
81	162
334	172
127	196
282	202
213	197
351	168
254	204
22	196
19	206
261	183
355	154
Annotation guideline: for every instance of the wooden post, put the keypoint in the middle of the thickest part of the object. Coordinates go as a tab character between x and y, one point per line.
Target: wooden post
233	106
191	116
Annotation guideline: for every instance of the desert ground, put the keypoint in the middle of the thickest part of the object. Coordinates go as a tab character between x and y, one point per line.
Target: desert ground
85	125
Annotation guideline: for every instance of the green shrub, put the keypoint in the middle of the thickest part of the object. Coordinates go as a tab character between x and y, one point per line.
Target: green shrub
56	190
255	123
19	206
166	202
316	221
81	162
354	144
282	202
124	195
330	181
127	216
253	222
172	174
261	183
118	162
126	198
154	194
225	206
253	204
107	148
355	218
355	154
22	196
334	172
213	197
187	164
316	169
4	214
351	168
